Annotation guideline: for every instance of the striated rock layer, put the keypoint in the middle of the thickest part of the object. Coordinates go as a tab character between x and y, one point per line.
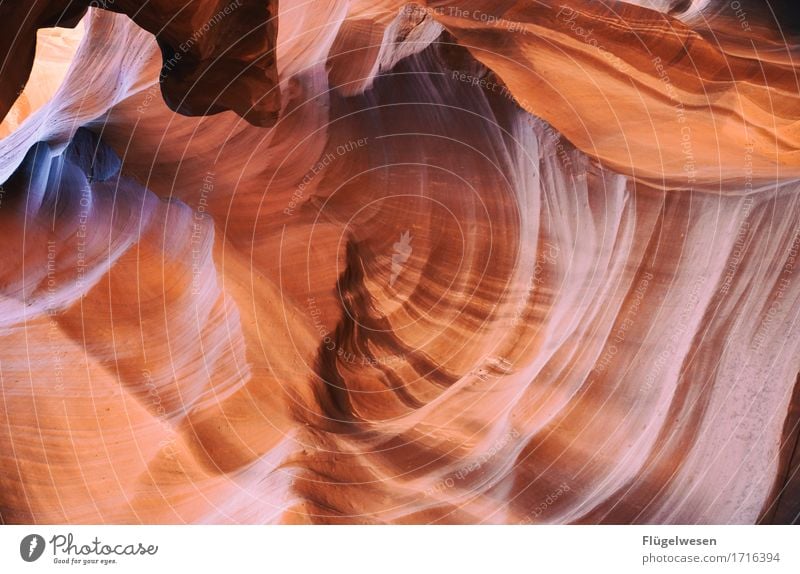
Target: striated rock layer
455	262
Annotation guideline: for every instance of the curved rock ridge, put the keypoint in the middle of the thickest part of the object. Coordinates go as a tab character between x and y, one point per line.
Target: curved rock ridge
217	54
705	111
410	300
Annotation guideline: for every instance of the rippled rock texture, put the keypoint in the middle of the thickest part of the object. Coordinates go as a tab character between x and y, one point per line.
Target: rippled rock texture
451	262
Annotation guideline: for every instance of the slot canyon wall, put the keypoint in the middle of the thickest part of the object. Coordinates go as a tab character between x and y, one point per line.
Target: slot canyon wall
459	261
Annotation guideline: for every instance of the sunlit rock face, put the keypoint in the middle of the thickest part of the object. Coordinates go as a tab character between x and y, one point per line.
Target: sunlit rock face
457	262
208	66
56	49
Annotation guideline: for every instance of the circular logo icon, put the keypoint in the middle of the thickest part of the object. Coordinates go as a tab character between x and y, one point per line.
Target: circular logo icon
31	547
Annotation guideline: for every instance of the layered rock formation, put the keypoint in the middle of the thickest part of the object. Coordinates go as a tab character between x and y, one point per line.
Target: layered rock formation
455	262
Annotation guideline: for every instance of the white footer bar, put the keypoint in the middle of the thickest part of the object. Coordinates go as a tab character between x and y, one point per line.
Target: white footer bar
400	549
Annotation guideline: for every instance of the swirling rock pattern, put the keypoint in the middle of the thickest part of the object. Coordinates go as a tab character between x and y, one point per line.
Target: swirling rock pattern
455	262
